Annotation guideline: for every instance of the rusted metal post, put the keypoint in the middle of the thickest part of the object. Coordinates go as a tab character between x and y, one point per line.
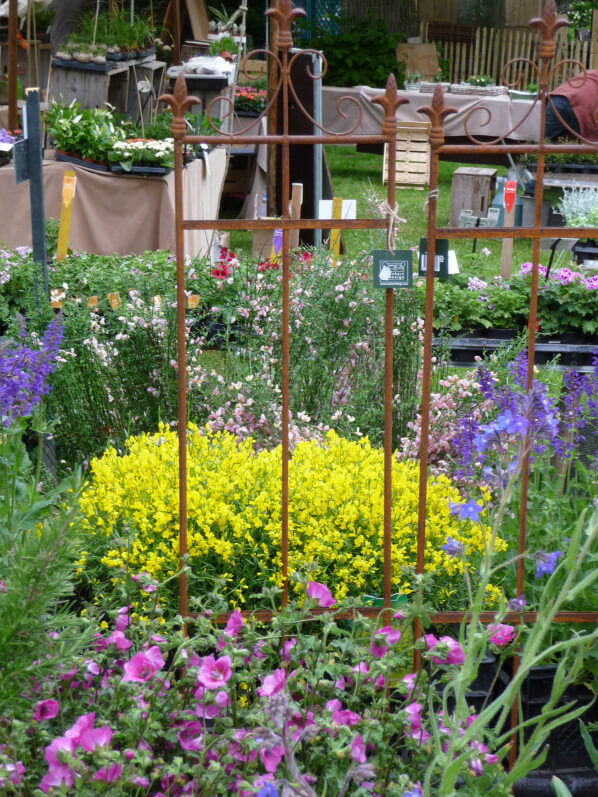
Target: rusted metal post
179	102
436	113
389	102
13	29
281	18
272	120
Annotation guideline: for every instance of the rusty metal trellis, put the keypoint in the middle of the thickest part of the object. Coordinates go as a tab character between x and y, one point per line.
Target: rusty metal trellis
179	101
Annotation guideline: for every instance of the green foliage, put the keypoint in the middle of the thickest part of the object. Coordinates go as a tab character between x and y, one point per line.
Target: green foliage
37	632
361	53
222	45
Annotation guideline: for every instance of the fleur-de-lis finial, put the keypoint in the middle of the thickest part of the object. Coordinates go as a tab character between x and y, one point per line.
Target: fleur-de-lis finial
389	101
547	24
437	113
179	101
285	14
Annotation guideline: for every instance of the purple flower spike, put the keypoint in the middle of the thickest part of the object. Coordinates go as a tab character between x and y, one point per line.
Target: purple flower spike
546	562
452	547
468	511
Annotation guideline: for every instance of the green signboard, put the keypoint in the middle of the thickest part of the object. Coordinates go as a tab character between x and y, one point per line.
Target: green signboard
393	269
440	259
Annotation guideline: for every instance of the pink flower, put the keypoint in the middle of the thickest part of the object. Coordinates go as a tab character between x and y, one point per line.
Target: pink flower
362	668
272	684
213	673
286	649
190	736
58	773
144	665
122	619
110	774
450	653
377	650
358	750
45	710
234	624
321	593
119	640
272	758
221	271
392	634
501	634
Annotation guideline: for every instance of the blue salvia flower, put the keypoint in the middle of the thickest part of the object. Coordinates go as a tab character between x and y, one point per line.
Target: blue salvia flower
24	373
546	562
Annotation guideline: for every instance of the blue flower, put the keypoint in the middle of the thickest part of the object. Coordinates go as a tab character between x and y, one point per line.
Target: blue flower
517	604
414	792
468	511
452	547
267	790
546	562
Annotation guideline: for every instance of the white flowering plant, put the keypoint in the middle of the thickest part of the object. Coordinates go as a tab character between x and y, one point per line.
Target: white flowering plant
146	151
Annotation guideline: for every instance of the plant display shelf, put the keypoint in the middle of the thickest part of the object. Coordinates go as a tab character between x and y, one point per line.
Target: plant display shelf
92	89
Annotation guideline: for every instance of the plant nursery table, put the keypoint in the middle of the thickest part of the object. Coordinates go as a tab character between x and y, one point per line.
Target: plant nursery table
115	214
506	114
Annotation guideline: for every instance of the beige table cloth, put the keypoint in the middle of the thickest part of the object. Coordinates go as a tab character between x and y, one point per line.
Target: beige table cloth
515	118
115	214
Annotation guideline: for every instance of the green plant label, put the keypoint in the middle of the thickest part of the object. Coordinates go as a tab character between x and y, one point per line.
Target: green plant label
393	269
440	258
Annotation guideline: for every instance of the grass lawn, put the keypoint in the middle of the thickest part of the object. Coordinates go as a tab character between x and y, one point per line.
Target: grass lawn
356	175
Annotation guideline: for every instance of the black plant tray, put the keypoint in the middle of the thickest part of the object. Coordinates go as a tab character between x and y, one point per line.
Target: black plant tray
465	349
97	167
82	65
142	171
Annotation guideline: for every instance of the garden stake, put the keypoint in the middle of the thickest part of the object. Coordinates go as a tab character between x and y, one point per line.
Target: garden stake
69	185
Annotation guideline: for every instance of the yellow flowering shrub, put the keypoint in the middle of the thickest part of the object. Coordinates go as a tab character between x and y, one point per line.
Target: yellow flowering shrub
130	516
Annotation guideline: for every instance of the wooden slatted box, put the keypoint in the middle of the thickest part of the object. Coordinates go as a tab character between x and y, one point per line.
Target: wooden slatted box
413	155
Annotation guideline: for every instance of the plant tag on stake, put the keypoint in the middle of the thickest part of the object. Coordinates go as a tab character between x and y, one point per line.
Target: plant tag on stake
510	193
441	258
393	269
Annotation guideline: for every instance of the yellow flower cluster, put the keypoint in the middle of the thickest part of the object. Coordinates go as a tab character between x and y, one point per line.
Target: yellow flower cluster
130	516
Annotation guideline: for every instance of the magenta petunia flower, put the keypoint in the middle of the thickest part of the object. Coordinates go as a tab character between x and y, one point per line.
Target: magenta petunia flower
272	684
46	710
143	665
213	673
321	593
358	749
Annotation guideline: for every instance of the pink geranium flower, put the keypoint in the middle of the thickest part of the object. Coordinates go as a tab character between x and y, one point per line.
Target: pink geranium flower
272	684
144	665
213	673
45	710
58	773
321	593
501	634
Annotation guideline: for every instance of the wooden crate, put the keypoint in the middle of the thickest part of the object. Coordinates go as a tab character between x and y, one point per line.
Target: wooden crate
413	155
471	189
92	89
